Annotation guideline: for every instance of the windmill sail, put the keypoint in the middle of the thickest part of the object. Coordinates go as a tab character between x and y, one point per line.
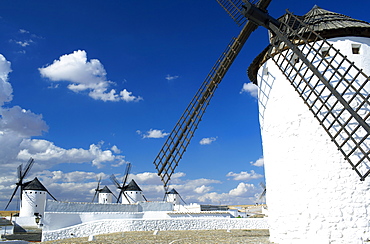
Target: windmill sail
234	9
335	90
21	175
177	142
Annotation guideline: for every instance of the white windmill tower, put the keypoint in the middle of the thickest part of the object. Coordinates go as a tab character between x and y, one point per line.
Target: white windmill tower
105	195
314	126
133	194
172	196
33	197
130	193
314	115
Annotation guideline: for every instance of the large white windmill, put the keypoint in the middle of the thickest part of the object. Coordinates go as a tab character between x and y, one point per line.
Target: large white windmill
314	114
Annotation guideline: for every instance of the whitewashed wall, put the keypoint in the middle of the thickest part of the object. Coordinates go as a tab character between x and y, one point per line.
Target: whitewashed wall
112	225
313	196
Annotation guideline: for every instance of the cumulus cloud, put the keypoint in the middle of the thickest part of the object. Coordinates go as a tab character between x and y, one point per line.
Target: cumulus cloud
6	89
46	151
259	162
250	88
242	189
207	140
85	75
245	176
172	77
18	126
153	133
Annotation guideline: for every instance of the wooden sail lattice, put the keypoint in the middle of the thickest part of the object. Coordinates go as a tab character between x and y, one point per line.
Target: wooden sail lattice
175	146
235	10
176	143
335	90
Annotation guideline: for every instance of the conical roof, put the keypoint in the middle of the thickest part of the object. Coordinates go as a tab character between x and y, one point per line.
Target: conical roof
322	20
173	191
132	186
34	184
326	23
105	190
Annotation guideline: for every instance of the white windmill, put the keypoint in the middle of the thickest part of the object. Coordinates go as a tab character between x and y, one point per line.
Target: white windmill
314	114
33	197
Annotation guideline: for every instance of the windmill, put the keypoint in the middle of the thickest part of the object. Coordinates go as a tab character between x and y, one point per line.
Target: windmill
122	187
263	194
97	189
21	175
334	91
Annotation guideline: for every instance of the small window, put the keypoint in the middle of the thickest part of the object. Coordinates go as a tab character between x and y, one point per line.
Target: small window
265	71
295	59
325	52
356	48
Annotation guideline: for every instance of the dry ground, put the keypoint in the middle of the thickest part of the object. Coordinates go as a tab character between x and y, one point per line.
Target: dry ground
177	237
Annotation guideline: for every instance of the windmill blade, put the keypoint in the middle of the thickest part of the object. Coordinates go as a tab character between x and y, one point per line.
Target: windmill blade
127	172
177	142
115	181
11	198
97	189
28	167
234	9
333	87
19	172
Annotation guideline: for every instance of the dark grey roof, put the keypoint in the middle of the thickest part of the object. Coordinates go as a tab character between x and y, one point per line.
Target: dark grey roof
323	20
173	191
132	186
328	24
105	190
34	184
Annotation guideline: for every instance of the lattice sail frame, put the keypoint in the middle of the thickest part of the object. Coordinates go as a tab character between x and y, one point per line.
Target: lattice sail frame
335	90
235	10
175	146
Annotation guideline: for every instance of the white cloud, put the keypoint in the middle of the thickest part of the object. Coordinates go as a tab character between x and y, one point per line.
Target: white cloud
23	122
207	140
153	133
202	189
250	88
242	189
85	75
172	77
46	152
6	89
23	31
245	176
259	162
24	43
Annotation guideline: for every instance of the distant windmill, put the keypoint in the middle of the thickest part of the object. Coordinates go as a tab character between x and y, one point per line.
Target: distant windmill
103	195
122	187
21	176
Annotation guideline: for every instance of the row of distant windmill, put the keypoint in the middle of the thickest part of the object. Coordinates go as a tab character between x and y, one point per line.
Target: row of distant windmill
22	172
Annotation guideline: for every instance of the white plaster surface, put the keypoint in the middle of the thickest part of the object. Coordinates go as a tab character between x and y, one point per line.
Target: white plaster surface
313	196
116	225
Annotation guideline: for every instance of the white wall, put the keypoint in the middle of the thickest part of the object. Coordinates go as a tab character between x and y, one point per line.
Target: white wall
313	196
115	225
32	202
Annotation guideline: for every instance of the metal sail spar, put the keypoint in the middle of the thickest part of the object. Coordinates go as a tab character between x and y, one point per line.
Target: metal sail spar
176	143
335	90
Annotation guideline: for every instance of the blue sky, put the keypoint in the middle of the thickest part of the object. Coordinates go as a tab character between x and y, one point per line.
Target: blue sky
86	87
